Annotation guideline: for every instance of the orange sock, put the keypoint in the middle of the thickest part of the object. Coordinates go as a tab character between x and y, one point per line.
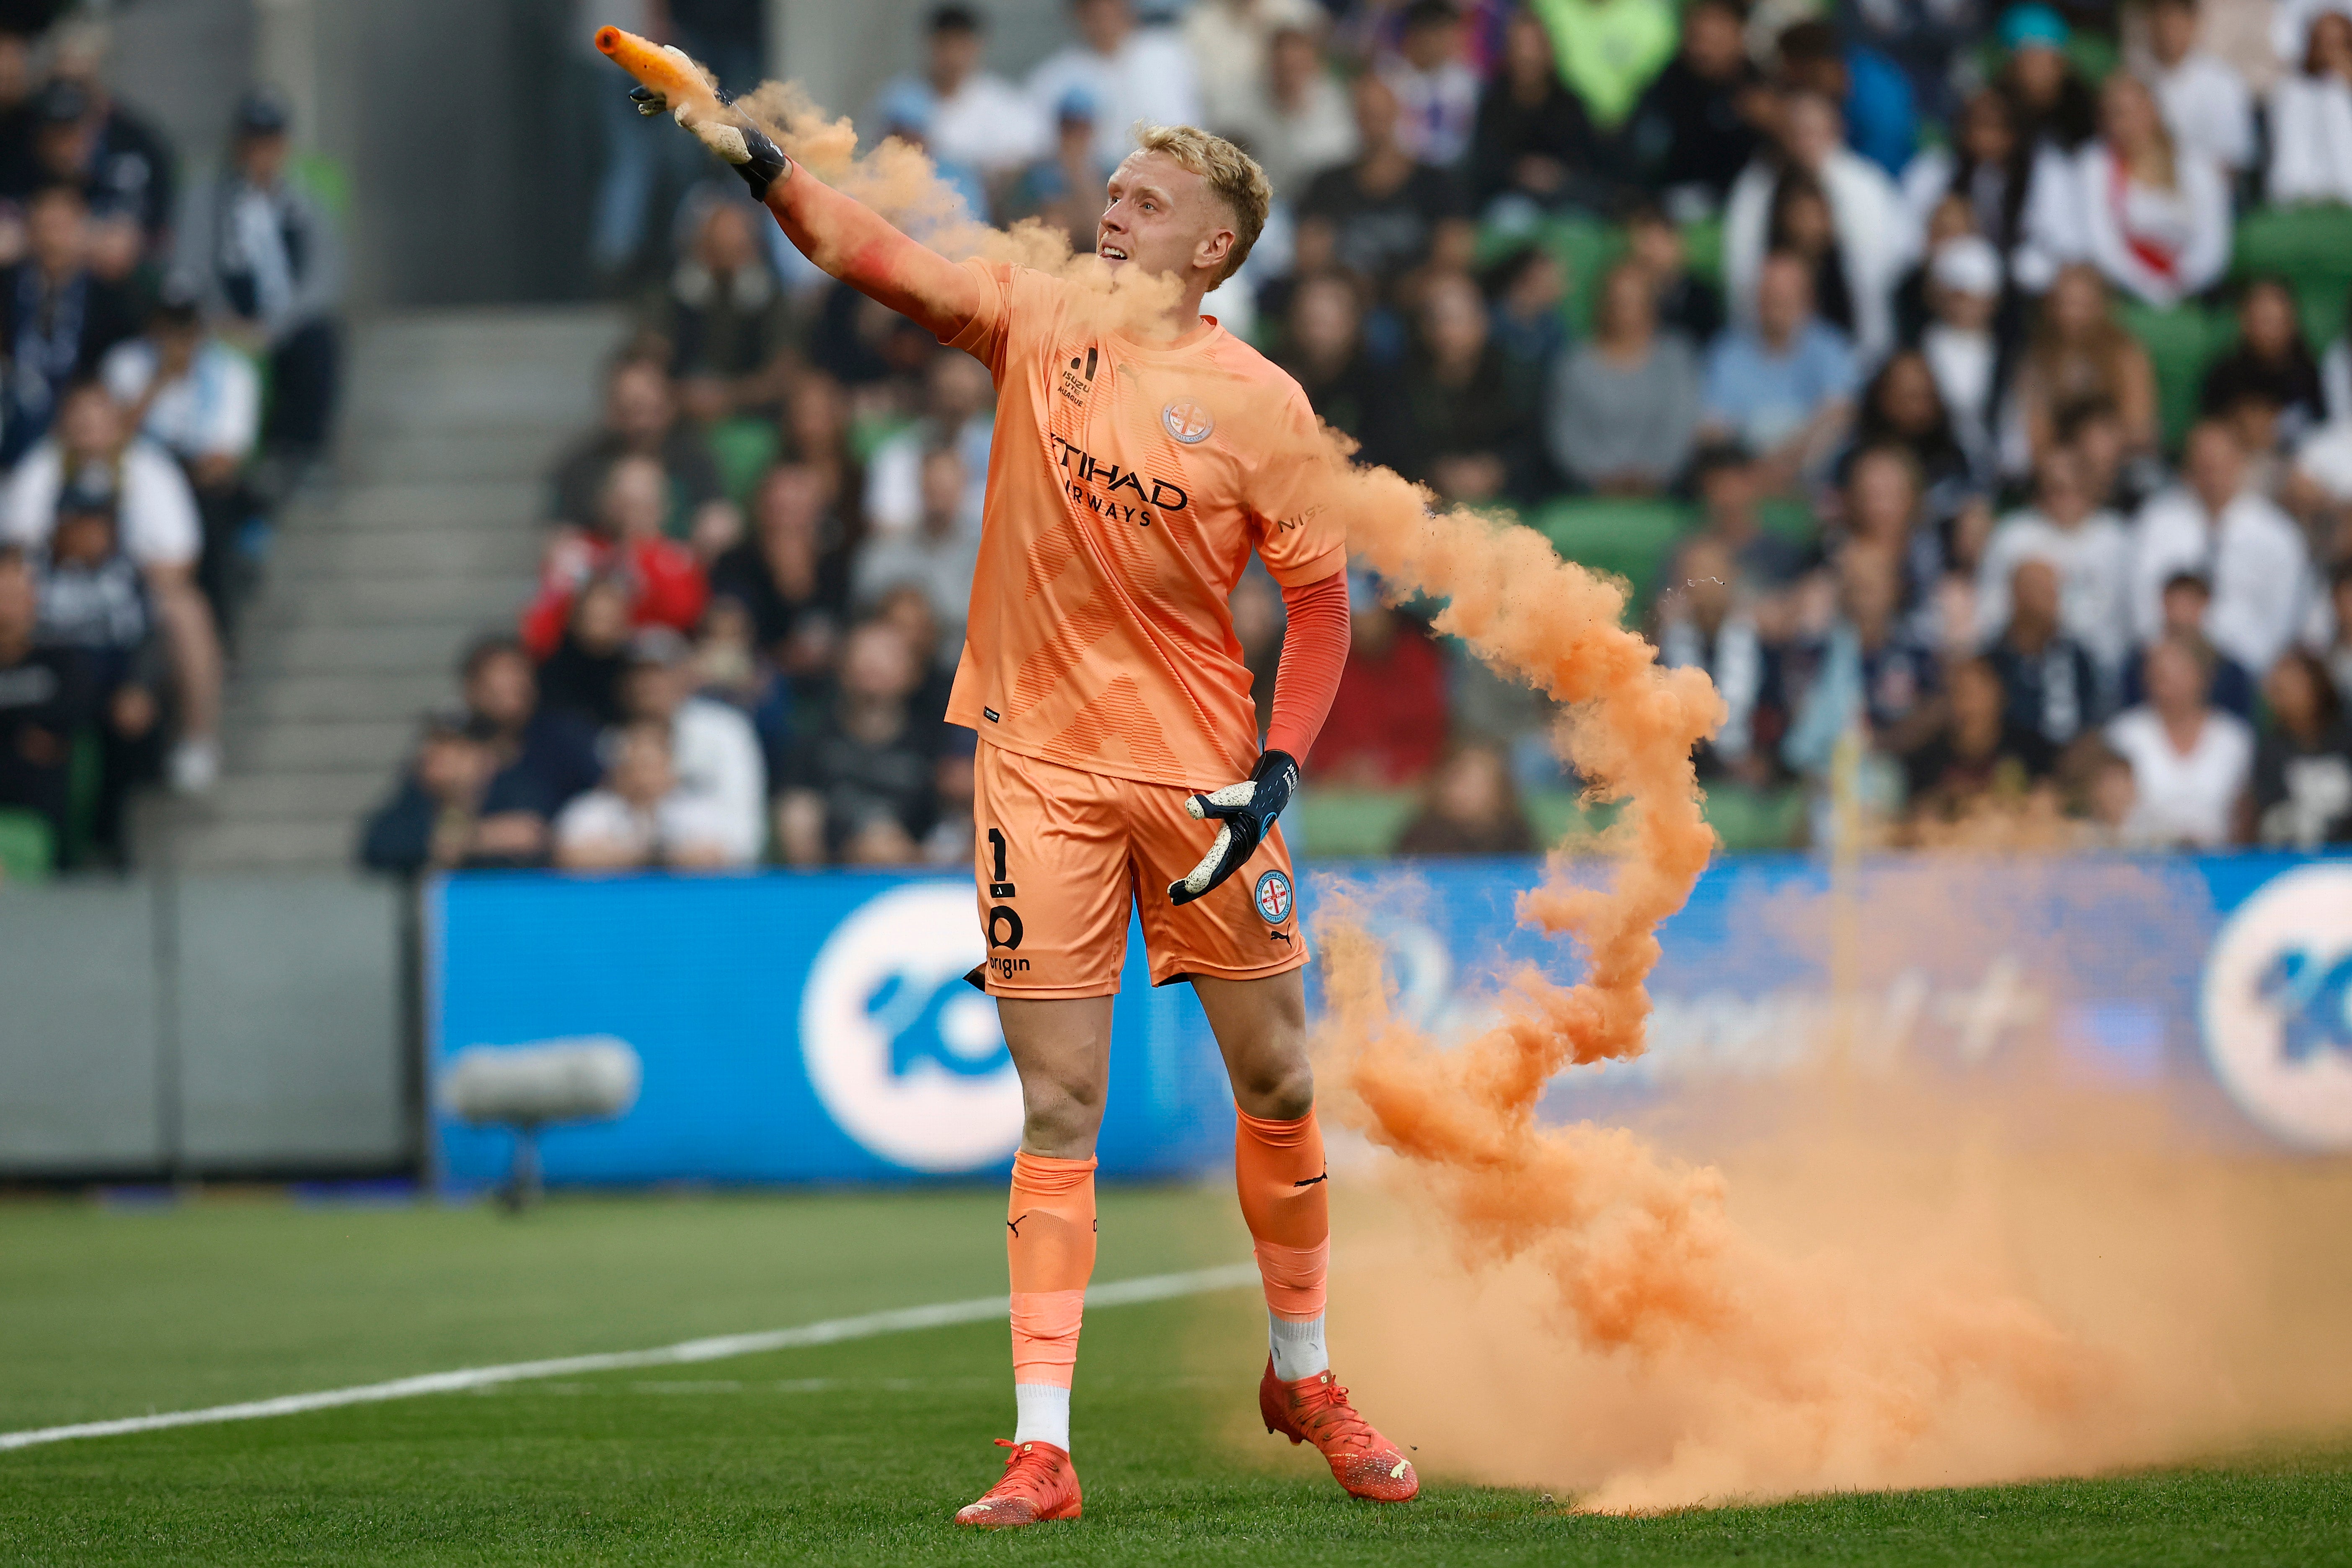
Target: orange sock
1286	1201
1049	1240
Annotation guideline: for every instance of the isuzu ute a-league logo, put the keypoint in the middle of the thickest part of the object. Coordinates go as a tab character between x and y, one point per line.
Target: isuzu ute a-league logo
1187	421
906	1057
2278	1006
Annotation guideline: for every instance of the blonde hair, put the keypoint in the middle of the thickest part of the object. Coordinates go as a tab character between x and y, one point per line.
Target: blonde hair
1232	173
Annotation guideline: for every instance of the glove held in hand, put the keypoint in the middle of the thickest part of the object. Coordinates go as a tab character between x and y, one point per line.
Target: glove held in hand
1245	810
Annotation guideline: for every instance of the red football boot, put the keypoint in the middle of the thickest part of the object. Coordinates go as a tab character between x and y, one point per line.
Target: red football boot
1316	1410
1039	1484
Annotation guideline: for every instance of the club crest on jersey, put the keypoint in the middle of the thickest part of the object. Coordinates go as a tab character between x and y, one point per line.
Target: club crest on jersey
1187	421
1273	896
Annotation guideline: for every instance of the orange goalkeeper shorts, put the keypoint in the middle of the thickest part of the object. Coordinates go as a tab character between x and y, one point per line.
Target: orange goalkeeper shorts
1059	854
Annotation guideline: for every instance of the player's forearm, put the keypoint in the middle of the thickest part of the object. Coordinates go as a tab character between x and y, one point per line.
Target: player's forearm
1314	655
847	239
853	242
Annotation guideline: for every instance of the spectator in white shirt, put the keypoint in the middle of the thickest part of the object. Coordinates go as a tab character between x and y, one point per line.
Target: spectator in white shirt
1231	41
939	555
1962	352
2087	545
2204	100
1295	119
2151	216
1990	165
713	747
2237	539
91	448
641	816
1136	74
266	255
2290	25
200	400
2189	761
2311	117
958	412
1875	235
1437	93
977	118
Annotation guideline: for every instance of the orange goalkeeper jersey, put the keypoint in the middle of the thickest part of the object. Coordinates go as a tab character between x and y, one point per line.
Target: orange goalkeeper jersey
1127	487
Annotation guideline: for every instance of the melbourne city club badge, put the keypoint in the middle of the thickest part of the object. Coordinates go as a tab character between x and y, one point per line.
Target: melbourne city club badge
1187	421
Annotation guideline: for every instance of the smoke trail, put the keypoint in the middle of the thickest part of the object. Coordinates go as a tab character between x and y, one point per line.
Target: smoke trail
1821	1378
899	182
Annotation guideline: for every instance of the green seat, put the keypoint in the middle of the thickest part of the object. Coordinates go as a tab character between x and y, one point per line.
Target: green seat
1585	248
1703	249
1755	819
1556	814
27	848
2094	58
742	448
1790	518
1629	538
2309	246
1338	823
2182	343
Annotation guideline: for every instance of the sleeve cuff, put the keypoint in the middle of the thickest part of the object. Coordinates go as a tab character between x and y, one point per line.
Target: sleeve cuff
1330	563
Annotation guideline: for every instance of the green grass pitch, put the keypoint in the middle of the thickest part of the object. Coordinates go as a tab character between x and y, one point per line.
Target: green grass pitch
853	1452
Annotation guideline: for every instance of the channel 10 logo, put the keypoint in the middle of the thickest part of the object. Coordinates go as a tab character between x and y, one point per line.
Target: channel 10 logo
906	1057
2277	1006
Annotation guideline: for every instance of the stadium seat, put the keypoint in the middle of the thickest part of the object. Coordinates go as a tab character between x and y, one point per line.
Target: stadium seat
1338	823
27	848
1702	248
1755	819
1630	538
1585	248
1743	818
2311	247
2182	343
1557	813
1790	518
742	448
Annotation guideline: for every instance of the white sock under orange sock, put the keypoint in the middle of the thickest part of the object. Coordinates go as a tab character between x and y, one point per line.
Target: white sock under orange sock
1286	1201
1049	1246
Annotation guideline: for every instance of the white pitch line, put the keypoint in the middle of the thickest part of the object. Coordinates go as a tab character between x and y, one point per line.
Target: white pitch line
833	1330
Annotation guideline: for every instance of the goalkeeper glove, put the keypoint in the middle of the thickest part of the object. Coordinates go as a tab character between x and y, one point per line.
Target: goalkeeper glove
1246	810
742	145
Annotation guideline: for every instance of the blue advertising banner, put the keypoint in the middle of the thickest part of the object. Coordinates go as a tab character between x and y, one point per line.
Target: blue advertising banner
816	1027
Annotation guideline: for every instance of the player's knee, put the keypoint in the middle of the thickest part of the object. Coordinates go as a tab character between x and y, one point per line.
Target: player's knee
1280	1090
1061	1118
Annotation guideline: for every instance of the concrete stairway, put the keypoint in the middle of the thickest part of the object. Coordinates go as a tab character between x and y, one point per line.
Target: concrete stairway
428	536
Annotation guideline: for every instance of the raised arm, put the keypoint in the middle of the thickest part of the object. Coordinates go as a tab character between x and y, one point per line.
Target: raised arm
843	235
863	249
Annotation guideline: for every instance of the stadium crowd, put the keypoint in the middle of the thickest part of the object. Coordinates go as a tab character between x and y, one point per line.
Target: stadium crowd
1912	359
168	365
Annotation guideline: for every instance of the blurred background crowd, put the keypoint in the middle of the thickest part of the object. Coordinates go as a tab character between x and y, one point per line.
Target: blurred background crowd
1962	386
169	360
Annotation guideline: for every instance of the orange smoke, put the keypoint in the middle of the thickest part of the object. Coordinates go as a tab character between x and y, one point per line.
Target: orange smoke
899	182
1727	1366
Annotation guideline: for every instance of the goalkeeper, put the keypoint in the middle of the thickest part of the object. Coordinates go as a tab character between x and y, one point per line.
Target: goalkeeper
1130	478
